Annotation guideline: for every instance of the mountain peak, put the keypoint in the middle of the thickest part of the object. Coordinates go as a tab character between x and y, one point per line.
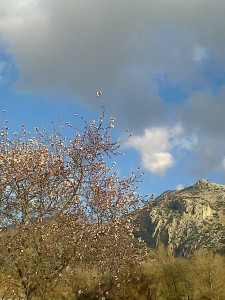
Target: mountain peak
206	184
188	219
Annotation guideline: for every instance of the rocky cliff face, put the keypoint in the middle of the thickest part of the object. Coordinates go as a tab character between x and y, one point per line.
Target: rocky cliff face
187	219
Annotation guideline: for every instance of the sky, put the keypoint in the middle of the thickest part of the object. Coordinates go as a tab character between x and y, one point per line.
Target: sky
160	65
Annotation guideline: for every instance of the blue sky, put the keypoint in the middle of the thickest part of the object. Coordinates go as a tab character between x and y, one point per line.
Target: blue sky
160	65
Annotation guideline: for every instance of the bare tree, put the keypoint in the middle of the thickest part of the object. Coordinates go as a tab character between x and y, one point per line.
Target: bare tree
62	205
208	275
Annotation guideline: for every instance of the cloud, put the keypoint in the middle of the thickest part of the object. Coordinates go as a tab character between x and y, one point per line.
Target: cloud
204	112
200	54
179	187
7	67
157	147
223	163
130	49
157	163
202	115
118	46
2	66
207	156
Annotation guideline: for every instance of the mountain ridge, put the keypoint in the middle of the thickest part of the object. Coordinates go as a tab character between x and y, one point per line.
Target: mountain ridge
187	220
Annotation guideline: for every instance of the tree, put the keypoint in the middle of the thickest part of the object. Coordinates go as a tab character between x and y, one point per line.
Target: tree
208	275
63	206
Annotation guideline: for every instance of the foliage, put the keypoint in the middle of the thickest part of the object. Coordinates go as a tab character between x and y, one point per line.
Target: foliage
165	277
64	209
161	277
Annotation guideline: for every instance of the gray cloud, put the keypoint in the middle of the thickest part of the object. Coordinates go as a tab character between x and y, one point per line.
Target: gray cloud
82	46
126	48
204	111
208	157
203	114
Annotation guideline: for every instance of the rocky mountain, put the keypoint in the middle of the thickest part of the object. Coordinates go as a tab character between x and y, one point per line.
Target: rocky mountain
186	220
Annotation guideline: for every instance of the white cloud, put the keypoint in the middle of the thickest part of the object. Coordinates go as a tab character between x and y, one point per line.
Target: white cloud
179	187
6	66
18	8
157	162
156	146
200	54
2	66
223	164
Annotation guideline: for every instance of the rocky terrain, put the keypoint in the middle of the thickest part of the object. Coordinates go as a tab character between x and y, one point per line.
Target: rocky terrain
186	220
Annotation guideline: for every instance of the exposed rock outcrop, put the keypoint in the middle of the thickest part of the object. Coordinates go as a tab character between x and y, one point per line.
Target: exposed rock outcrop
187	219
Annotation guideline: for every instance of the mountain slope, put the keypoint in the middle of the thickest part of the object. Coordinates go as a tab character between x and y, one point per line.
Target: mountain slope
188	219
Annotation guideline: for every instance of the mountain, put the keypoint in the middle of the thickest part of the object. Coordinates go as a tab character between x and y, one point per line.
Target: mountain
186	220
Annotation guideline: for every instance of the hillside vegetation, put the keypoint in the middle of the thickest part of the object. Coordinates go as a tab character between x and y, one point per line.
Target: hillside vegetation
187	220
161	277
